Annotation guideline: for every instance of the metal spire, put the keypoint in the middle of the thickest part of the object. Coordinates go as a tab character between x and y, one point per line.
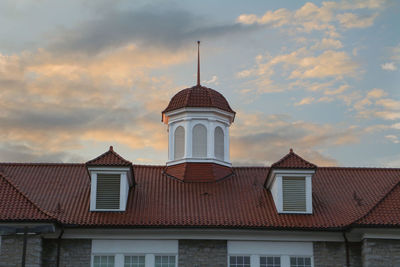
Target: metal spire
198	63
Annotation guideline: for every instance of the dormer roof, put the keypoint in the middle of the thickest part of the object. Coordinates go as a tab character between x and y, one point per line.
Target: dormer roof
109	158
293	161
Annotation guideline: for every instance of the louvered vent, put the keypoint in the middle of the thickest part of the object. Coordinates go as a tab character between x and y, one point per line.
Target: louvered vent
294	194
108	191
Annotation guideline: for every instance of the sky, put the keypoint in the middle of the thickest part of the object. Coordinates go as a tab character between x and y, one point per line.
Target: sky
320	77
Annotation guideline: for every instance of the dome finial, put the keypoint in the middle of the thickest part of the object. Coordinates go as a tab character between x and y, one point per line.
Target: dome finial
198	63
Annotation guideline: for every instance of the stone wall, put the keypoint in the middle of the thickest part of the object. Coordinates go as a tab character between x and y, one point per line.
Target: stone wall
381	252
333	254
74	252
202	253
11	251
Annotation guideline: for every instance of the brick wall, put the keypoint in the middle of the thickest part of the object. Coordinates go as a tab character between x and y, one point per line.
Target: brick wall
11	251
202	253
381	252
74	252
333	254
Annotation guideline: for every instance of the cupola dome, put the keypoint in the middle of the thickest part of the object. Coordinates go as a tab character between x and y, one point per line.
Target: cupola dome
198	96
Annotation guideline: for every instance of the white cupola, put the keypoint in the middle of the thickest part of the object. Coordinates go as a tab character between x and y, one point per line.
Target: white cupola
198	120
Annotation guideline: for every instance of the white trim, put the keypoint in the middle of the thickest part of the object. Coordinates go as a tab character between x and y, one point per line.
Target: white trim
217	111
275	186
124	187
148	248
257	249
198	234
188	120
204	160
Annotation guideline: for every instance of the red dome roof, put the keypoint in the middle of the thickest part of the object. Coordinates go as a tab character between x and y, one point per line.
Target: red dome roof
198	96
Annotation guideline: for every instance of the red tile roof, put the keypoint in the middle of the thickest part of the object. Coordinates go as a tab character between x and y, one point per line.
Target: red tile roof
386	212
15	206
341	196
198	96
293	161
198	172
109	158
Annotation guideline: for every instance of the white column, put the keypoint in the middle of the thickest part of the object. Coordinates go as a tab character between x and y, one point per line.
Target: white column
171	130
210	139
254	261
150	260
226	145
188	138
285	261
119	260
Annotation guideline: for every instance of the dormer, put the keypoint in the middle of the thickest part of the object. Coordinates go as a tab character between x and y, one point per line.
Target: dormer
111	177
290	183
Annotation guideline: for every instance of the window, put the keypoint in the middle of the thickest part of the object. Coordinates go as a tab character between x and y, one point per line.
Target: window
108	191
179	142
294	194
165	261
199	142
300	262
134	261
239	261
270	261
103	261
219	143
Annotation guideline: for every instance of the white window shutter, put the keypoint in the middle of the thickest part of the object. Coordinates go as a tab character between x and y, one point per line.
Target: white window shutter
294	194
219	143
179	142
199	142
108	191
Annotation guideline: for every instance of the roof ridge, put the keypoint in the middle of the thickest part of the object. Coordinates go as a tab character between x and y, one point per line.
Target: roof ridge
2	174
42	163
376	205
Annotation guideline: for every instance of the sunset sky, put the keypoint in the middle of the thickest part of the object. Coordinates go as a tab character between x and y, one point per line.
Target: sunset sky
320	77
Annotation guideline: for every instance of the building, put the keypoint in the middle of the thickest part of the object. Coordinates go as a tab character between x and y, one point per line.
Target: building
198	210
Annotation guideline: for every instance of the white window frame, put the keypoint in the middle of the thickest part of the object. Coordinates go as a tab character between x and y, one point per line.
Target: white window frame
257	249
165	254
104	254
238	255
124	187
276	188
268	255
135	254
134	247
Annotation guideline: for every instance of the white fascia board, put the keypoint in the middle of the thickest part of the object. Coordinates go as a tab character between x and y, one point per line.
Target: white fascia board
109	169
208	234
373	233
198	116
196	111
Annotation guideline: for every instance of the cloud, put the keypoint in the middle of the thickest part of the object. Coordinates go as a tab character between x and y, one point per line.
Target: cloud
389	66
305	101
327	43
262	139
392	138
156	27
324	18
374	105
351	20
